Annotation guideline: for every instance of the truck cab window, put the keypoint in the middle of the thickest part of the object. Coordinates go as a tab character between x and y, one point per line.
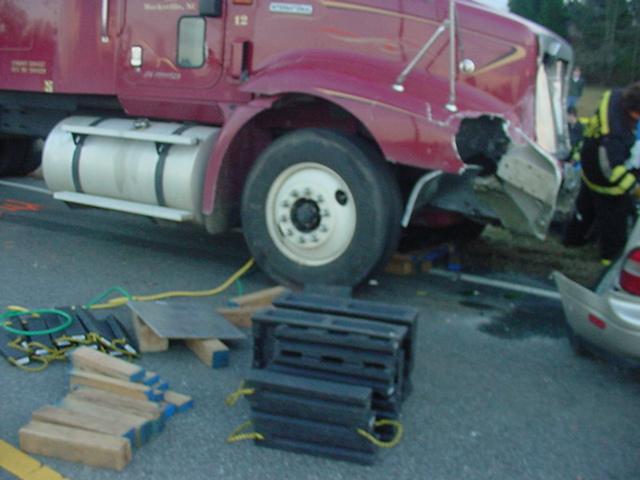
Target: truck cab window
191	42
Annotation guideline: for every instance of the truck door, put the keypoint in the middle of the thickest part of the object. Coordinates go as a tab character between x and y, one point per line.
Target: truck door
169	55
63	46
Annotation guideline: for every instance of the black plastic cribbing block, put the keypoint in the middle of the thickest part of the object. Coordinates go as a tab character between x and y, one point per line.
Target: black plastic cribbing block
267	380
349	307
18	356
310	408
306	398
53	321
34	324
386	337
92	325
297	446
310	431
120	333
76	330
380	388
342	360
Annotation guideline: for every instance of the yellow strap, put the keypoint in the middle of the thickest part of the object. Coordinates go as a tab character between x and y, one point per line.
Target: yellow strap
233	397
118	301
379	443
236	436
604	113
620	189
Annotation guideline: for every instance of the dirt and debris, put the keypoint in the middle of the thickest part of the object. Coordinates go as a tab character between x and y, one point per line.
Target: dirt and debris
498	250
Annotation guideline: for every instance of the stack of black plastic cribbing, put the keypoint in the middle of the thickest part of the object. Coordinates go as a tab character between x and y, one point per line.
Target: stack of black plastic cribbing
312	416
352	348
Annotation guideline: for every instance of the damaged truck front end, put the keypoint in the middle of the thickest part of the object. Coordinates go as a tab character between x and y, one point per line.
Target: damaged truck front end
509	140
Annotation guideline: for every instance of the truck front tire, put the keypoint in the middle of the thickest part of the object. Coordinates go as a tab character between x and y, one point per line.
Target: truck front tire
320	207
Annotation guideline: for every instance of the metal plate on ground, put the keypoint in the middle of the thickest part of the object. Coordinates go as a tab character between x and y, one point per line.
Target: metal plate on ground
180	321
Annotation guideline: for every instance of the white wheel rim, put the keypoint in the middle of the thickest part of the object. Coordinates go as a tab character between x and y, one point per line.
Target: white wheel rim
311	214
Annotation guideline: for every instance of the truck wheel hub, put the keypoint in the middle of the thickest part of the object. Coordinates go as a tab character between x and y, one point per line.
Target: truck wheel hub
305	215
310	215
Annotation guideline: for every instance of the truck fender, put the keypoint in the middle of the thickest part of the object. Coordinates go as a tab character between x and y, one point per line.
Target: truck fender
238	119
407	129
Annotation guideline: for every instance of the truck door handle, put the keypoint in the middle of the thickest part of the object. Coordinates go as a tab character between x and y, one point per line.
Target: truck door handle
104	23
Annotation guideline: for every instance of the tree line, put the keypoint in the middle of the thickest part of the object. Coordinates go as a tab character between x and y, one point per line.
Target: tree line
605	34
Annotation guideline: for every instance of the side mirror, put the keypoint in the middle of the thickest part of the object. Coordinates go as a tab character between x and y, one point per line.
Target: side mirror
211	8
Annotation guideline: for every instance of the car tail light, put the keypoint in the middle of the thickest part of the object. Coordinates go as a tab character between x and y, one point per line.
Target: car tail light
597	321
630	273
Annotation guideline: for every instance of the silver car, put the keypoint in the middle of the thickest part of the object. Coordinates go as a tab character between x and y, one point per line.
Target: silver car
607	318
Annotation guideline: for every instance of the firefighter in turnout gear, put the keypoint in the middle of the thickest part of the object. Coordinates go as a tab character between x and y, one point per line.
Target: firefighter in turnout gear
609	174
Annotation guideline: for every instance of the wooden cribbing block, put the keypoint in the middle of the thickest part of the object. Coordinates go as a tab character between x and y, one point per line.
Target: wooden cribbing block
143	408
85	421
261	298
210	351
143	426
182	402
89	359
75	445
148	341
150	378
114	385
239	316
400	264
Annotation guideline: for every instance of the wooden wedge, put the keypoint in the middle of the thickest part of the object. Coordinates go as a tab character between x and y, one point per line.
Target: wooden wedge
211	351
142	425
181	402
114	385
261	298
239	316
75	445
92	360
148	341
85	421
143	408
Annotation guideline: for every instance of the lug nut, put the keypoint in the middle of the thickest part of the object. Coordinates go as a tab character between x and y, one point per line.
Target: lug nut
301	240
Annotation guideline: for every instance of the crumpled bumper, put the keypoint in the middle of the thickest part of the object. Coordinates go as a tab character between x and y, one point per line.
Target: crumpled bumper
610	321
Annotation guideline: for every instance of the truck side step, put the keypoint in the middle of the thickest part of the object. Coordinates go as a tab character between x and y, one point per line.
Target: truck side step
170	139
155	211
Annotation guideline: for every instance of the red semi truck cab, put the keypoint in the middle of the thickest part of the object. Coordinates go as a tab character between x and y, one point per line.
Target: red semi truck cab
322	127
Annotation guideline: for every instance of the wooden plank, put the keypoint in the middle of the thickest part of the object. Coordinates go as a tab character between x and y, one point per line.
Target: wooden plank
143	408
212	352
261	298
75	445
85	421
93	360
114	385
143	426
151	378
148	341
400	264
239	316
182	402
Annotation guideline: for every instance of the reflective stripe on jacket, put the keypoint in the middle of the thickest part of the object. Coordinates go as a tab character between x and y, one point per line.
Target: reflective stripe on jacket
609	137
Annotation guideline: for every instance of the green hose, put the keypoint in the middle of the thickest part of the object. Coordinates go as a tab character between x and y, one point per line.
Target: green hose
68	320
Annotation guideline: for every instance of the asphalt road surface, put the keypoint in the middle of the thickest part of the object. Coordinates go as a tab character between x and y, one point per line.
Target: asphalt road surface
498	392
